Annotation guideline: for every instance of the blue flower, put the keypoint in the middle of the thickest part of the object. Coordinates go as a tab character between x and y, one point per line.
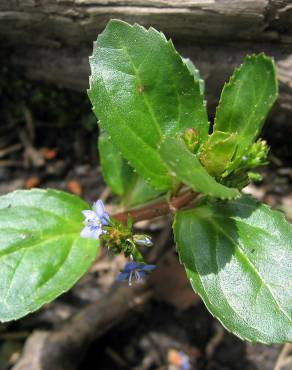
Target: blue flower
134	270
185	361
95	219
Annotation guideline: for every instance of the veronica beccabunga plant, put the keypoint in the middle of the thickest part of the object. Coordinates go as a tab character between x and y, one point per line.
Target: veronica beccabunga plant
158	147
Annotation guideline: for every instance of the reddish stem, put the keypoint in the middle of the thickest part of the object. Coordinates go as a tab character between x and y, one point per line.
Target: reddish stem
158	209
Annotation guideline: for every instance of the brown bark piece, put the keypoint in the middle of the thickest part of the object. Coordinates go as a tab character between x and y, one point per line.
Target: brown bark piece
52	39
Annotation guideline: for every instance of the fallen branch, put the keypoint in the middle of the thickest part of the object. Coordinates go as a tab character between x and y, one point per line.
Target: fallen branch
62	349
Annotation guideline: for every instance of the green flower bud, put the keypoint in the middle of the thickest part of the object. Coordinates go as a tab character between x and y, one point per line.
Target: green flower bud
143	240
192	139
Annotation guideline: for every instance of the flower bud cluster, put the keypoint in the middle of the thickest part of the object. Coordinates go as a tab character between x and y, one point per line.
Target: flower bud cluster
98	225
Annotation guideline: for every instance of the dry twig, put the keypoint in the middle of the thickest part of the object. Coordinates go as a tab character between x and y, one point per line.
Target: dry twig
62	349
283	356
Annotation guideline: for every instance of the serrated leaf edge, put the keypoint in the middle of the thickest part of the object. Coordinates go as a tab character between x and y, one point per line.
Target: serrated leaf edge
171	45
205	299
236	73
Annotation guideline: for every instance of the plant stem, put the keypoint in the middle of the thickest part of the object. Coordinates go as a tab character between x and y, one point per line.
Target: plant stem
151	211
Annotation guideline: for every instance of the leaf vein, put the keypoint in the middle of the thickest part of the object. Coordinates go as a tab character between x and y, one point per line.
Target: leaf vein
237	245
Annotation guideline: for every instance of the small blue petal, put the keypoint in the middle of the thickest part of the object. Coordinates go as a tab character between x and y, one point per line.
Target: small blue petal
96	233
86	232
141	274
105	219
123	276
98	208
91	232
94	221
148	267
130	266
134	271
88	214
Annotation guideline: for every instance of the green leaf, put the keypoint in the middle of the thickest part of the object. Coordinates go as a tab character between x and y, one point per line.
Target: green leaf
238	257
41	252
195	72
120	176
139	192
187	168
140	90
115	170
247	99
